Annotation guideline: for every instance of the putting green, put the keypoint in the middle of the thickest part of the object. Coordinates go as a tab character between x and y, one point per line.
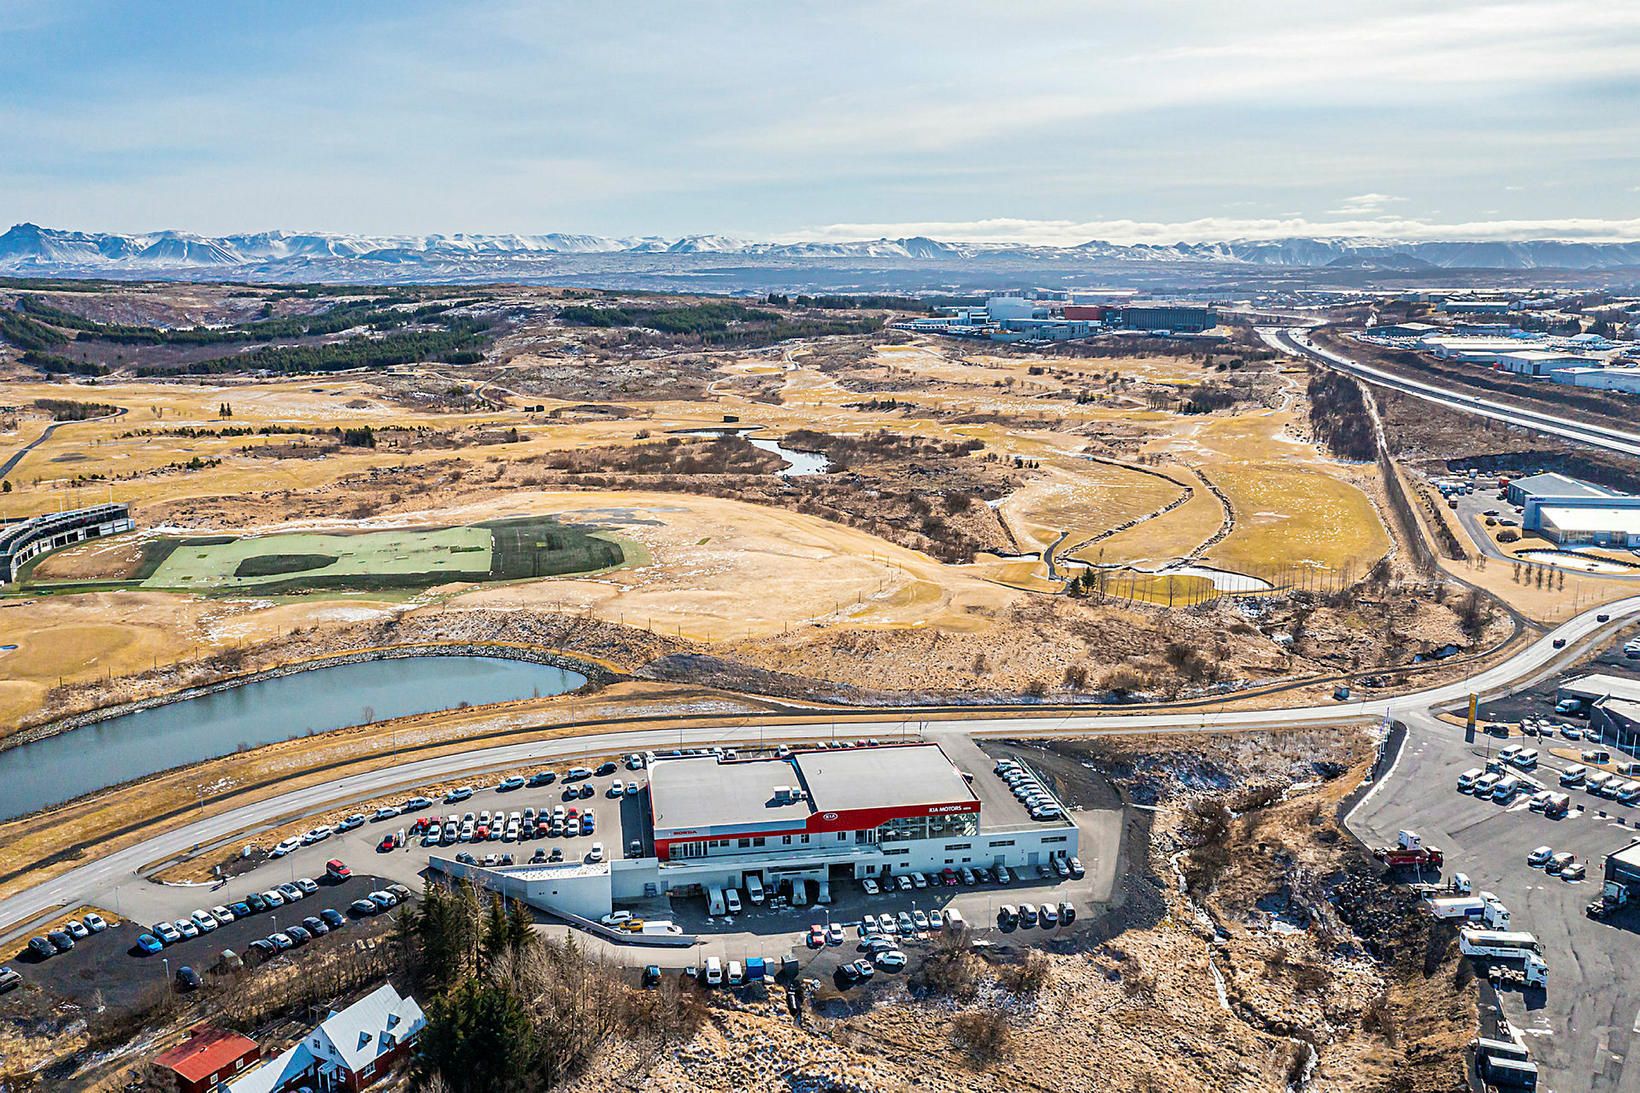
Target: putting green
460	553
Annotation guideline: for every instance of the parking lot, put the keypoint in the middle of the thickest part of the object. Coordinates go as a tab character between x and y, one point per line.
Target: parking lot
1582	1029
110	966
1539	700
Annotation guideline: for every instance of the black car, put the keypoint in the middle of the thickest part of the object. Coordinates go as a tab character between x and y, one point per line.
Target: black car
587	790
333	918
1602	617
605	768
315	926
256	902
651	975
187	979
298	935
261	949
545	778
40	948
60	940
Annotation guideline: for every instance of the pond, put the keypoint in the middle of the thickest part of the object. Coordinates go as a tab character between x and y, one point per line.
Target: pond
61	767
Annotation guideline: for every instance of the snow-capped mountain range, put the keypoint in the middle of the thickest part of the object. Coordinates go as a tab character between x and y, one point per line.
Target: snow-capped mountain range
30	250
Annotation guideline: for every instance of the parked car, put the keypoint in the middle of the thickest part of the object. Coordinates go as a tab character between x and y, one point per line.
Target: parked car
187	979
187	927
363	907
333	918
282	942
1540	856
95	923
892	960
148	944
298	934
870	886
76	929
385	901
507	785
60	940
9	979
41	949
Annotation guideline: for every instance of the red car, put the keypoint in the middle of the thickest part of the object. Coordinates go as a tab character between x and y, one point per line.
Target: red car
388	843
817	937
948	877
336	870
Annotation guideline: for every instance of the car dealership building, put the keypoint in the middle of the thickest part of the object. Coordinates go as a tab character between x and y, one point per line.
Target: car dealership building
796	822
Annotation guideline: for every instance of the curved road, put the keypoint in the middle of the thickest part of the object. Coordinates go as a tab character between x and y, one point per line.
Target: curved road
1295	342
80	884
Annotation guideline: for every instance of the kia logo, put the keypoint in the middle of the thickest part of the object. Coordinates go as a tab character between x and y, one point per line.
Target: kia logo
829	816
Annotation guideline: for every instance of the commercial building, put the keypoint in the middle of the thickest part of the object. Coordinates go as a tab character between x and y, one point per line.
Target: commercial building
1575	513
796	823
21	541
1617	720
1175	318
347	1051
1623	867
205	1059
1471	306
1541	362
1597	687
1593	376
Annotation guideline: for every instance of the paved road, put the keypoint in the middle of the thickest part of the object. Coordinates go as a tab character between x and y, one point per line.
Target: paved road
1295	341
17	456
79	884
1583	1028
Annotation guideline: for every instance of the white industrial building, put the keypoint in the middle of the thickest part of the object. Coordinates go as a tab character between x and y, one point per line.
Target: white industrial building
795	823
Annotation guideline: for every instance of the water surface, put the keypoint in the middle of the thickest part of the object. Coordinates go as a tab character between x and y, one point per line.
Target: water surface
64	766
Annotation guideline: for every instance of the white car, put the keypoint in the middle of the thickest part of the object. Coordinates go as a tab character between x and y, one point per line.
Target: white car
870	886
317	835
616	918
204	921
891	961
353	821
222	915
284	848
1540	856
95	923
617	788
596	854
386	812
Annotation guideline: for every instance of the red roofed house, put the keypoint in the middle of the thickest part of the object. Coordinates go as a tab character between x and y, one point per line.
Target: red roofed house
208	1056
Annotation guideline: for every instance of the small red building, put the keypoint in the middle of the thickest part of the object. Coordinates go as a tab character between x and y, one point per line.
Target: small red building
208	1056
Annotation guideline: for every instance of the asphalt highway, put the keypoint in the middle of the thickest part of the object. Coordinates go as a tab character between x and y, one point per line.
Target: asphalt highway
81	883
1295	341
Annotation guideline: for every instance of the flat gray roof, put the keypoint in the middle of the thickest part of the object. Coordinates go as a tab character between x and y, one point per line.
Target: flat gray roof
1600	685
700	791
1629	856
1558	485
889	776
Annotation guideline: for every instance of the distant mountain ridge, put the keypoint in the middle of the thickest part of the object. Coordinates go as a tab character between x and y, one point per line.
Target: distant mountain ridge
28	249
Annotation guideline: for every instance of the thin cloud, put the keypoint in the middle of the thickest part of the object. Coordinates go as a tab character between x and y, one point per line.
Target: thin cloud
1063	233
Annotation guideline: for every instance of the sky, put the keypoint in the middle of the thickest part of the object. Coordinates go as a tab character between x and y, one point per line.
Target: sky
1050	123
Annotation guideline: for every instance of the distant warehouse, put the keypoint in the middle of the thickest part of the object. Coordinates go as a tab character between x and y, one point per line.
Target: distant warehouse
1178	318
1575	513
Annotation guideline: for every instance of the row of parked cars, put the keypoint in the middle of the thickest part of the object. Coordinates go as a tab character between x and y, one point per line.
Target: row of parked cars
1029	791
1053	869
61	940
1027	914
1563	864
1611	786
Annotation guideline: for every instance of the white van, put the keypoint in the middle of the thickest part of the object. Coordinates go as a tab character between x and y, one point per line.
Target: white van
1505	790
736	975
1467	780
754	890
714	971
1596	782
1507	754
1485	784
1573	774
1629	794
1525	758
731	899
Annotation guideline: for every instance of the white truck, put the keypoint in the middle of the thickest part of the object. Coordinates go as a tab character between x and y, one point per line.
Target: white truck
1485	908
754	888
1514	958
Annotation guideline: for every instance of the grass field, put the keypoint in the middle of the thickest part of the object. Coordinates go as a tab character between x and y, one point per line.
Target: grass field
377	560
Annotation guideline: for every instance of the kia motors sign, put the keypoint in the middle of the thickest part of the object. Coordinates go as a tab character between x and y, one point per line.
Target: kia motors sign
828	816
935	810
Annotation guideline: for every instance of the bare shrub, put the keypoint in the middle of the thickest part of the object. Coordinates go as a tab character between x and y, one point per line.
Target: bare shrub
983	1034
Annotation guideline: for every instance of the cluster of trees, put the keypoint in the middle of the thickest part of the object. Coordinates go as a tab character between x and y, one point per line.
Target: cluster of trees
1339	417
848	303
62	409
362	437
460	342
25	333
1206	398
881	446
511	1010
53	364
343	316
716	323
727	454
